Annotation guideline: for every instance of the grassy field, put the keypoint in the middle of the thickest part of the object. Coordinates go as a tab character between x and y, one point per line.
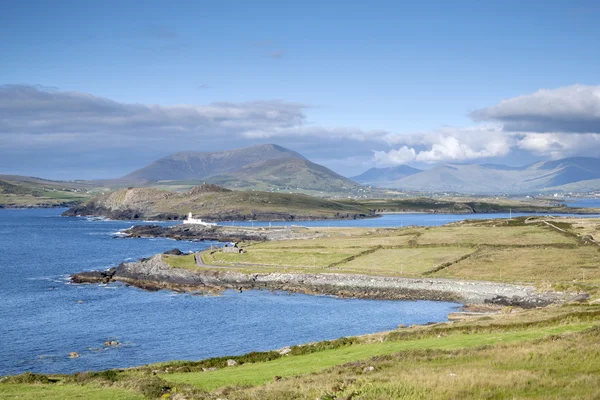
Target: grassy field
512	251
61	392
529	264
410	262
498	235
542	353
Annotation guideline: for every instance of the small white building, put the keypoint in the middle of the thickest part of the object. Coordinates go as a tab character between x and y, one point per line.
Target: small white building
191	220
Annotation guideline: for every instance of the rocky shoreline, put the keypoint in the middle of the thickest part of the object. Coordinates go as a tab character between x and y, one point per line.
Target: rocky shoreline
93	210
221	233
155	274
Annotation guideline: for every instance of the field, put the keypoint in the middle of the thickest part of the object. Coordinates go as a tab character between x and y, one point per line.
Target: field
516	251
409	262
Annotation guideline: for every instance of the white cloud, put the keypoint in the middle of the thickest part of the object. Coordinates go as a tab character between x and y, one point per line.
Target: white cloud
561	145
567	109
447	144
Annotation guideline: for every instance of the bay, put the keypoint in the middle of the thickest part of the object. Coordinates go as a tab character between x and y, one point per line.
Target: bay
43	317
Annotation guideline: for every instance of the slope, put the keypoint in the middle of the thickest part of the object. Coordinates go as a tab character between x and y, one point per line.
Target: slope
376	176
191	165
286	174
213	203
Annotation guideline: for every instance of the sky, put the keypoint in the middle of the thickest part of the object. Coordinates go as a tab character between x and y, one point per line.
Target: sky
97	89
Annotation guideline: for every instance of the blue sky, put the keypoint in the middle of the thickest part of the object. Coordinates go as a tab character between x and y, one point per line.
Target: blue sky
383	76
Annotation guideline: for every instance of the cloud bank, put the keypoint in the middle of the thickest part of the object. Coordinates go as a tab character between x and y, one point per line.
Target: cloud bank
548	123
36	122
571	109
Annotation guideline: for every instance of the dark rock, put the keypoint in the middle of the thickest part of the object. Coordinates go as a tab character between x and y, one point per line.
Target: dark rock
174	252
580	298
93	276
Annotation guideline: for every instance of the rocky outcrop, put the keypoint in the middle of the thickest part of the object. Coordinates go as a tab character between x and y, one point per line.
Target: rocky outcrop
155	274
93	276
220	233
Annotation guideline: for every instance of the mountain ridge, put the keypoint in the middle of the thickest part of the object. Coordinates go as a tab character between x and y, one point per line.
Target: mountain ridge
385	174
188	165
264	167
573	174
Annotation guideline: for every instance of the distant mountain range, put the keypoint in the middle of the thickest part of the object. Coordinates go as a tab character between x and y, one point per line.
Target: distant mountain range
271	167
260	167
378	176
579	174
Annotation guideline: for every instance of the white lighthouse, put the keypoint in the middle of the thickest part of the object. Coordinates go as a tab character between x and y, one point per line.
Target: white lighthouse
197	221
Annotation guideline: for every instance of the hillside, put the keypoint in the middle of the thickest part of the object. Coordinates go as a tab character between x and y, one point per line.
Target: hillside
287	174
192	165
213	203
25	191
570	174
376	176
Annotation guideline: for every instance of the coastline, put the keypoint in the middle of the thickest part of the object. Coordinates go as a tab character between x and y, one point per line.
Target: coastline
155	274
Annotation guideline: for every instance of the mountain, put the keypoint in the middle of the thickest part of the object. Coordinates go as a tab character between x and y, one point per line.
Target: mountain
376	176
286	173
579	174
265	167
190	165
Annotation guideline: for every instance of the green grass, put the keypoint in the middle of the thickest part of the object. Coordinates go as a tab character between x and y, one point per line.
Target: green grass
563	367
531	264
61	392
490	235
404	262
184	261
260	373
290	258
364	239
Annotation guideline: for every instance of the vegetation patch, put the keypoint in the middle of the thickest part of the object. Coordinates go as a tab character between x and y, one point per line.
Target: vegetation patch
497	234
529	264
409	262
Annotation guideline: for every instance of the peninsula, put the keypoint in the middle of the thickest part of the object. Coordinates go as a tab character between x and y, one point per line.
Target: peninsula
214	203
475	262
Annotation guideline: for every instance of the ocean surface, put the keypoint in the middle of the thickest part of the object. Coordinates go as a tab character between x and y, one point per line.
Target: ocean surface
43	317
585	203
401	220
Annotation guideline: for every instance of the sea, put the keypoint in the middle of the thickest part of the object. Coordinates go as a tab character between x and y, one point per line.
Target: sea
43	317
584	203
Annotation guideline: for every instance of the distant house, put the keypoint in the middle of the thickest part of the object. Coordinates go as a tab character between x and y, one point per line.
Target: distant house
232	248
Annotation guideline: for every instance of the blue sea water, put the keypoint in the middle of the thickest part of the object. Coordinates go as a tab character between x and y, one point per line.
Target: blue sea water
397	220
584	203
43	317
